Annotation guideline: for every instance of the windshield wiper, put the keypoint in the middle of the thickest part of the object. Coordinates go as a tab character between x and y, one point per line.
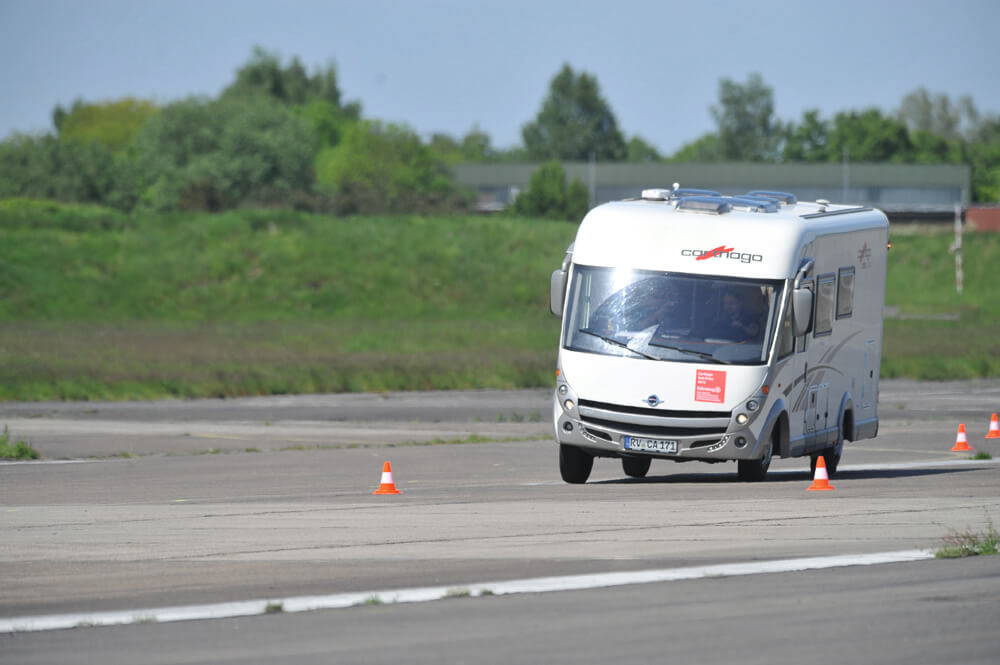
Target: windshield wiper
701	354
617	342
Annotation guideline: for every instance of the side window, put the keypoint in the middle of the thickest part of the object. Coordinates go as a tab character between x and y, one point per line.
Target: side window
802	343
845	292
786	342
826	287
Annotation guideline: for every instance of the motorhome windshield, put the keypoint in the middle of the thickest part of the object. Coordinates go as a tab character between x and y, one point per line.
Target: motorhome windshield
671	316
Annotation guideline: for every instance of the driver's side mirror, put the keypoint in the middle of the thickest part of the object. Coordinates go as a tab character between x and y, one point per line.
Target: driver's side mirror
557	291
802	307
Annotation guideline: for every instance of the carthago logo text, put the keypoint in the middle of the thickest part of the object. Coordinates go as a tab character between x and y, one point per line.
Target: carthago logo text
723	252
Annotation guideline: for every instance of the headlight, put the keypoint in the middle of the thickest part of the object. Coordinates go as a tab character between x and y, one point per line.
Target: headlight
752	405
568	405
563	389
742	419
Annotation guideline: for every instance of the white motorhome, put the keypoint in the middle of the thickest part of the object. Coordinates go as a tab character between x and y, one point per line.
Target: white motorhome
717	328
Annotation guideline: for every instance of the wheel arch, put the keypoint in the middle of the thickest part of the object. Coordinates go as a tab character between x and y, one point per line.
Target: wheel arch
777	421
845	418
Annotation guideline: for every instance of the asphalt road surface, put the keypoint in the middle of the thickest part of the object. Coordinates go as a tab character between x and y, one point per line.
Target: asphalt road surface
139	507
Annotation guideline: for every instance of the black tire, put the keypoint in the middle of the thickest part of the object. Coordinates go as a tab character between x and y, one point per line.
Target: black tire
755	470
831	456
574	464
636	467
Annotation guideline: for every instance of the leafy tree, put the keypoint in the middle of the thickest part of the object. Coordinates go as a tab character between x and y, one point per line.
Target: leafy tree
869	136
549	196
807	140
574	121
747	129
638	150
384	168
937	114
113	124
516	154
263	75
446	148
705	148
986	175
329	122
982	152
474	147
45	167
477	147
943	131
577	200
931	148
205	155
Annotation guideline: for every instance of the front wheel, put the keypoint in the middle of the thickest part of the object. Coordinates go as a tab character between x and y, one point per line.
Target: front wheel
754	470
574	464
636	467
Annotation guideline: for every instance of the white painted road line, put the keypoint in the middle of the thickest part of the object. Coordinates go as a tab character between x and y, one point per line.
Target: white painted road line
15	462
897	466
919	465
426	594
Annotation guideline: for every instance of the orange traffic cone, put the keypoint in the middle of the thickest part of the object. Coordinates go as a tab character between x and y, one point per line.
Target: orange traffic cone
821	481
961	442
387	486
994	432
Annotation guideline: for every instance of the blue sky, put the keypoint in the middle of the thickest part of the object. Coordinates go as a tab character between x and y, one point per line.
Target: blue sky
450	65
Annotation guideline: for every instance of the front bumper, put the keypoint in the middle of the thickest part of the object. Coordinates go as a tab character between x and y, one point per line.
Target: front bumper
602	428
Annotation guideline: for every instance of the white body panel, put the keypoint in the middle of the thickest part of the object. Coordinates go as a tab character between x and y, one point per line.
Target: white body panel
652	235
630	381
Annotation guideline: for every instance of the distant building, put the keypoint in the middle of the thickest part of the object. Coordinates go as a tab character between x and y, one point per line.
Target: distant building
902	190
983	218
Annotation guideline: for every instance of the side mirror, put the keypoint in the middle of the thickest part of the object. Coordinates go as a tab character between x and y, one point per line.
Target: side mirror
802	307
557	291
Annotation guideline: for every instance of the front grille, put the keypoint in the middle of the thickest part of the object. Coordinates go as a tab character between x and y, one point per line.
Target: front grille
646	411
654	431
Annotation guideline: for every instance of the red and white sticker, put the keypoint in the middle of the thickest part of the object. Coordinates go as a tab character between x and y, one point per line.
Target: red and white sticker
710	386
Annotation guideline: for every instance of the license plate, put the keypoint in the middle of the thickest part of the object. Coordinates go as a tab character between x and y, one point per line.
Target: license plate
650	445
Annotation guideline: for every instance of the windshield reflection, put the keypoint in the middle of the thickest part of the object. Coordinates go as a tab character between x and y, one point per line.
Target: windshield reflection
671	316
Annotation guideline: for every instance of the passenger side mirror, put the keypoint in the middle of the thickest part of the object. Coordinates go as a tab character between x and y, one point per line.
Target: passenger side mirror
557	291
802	307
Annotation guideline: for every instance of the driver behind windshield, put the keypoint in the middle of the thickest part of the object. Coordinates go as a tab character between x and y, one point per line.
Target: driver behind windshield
735	322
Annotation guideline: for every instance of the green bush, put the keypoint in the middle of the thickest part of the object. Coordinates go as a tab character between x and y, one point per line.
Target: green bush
384	168
548	195
23	213
19	450
205	155
46	168
112	124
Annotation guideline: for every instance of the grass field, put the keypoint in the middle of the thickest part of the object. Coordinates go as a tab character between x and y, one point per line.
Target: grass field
97	306
944	335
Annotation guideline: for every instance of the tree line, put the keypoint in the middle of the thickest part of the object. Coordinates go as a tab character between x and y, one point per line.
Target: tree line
279	135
